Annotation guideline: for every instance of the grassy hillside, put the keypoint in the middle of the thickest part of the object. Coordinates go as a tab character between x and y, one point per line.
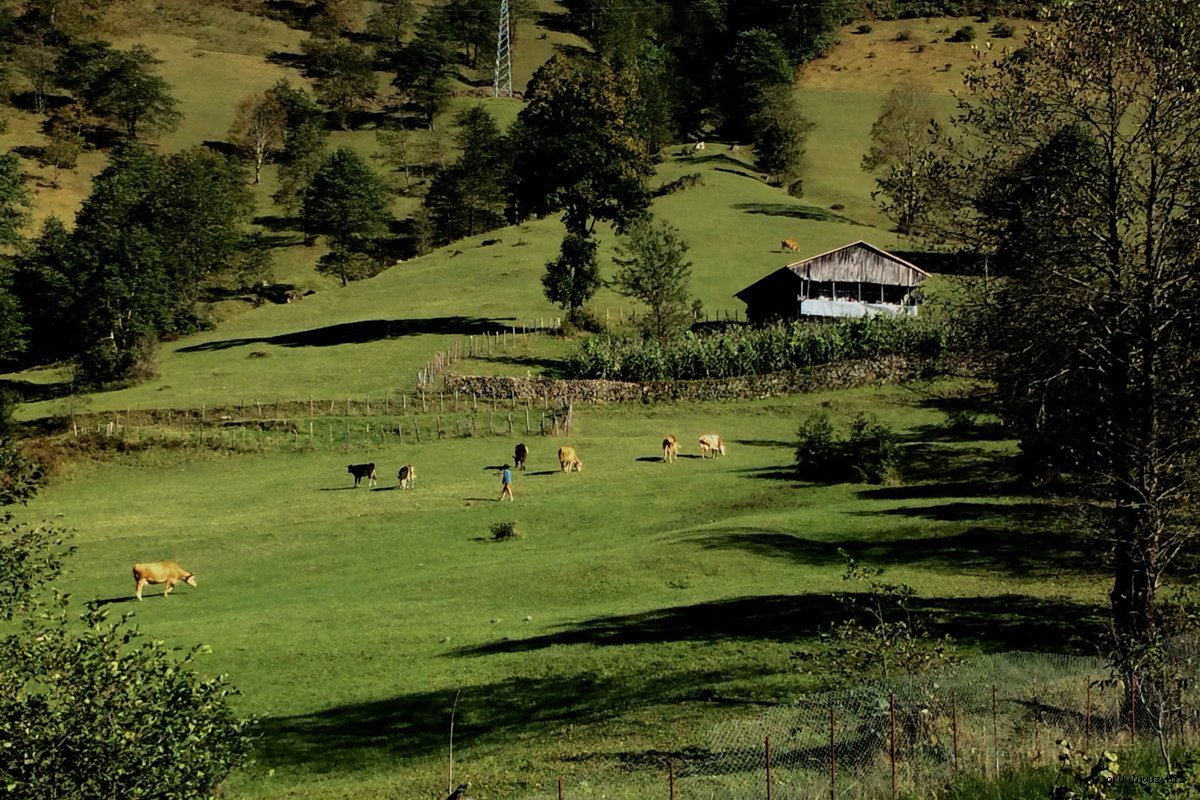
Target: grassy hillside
645	603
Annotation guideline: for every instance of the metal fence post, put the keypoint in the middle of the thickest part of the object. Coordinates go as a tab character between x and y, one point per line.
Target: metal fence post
892	710
954	728
1087	717
832	755
767	749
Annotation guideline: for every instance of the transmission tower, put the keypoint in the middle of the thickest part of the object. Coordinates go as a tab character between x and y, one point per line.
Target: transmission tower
503	83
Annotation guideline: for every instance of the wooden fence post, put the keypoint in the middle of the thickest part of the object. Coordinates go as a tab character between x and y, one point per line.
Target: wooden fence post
892	713
767	750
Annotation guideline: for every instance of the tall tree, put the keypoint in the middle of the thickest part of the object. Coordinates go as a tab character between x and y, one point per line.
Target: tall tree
468	197
1087	144
903	154
780	133
390	23
343	78
120	86
348	203
15	199
425	67
45	279
755	65
653	268
259	129
303	149
576	150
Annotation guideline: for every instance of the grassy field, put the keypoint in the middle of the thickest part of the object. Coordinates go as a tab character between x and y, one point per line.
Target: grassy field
645	603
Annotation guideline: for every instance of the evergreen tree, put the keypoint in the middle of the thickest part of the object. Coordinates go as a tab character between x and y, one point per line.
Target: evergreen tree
348	203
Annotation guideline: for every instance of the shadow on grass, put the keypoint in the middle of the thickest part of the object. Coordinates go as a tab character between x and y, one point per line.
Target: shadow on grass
549	367
31	392
372	330
346	738
794	211
999	622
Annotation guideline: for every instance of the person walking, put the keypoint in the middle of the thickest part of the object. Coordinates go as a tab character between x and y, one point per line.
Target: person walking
506	479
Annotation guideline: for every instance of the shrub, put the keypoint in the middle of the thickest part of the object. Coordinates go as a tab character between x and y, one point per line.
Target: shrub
869	454
1002	30
505	531
964	34
903	35
863	28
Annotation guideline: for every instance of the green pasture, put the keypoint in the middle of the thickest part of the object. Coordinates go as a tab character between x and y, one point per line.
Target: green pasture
645	603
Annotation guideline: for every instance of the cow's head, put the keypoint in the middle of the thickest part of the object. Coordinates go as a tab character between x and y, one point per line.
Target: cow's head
190	580
721	448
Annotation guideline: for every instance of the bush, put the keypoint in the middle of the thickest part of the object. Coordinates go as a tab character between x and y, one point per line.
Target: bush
505	531
869	454
863	28
1002	30
903	35
964	34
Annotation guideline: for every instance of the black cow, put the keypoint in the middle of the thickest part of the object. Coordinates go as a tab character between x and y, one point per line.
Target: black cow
520	453
360	471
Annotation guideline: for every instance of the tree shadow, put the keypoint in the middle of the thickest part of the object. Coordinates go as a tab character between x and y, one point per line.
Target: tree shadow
346	738
793	211
31	392
549	367
999	622
361	332
980	549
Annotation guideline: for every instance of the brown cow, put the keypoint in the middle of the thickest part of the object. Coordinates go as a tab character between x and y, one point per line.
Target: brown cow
407	476
670	448
167	572
568	460
711	443
789	244
520	453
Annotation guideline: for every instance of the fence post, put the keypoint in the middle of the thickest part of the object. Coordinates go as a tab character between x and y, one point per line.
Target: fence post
767	750
560	795
833	755
995	734
892	710
671	778
1133	704
1087	717
954	728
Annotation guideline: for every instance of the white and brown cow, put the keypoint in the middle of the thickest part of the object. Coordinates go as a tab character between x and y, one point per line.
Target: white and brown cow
568	460
670	448
711	443
407	476
520	453
167	572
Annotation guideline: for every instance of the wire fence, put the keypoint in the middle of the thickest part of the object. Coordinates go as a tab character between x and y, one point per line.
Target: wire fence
907	737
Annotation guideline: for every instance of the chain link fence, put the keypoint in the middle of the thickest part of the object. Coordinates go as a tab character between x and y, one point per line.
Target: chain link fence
908	736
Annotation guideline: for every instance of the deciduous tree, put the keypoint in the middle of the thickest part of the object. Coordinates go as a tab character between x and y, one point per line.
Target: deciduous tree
1086	147
259	129
904	156
653	268
347	202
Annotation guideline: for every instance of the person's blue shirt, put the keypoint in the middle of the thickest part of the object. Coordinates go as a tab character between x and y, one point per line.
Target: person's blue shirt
507	478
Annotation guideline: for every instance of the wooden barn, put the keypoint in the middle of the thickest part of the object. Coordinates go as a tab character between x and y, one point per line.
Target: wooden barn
856	280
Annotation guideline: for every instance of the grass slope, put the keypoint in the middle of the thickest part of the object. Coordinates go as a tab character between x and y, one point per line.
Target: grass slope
646	603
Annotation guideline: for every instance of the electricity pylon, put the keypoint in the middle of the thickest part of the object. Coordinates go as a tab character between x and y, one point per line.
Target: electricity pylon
502	85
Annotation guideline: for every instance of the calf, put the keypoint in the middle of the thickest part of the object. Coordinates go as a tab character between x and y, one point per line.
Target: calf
167	572
360	471
568	460
670	448
407	475
711	443
789	244
520	453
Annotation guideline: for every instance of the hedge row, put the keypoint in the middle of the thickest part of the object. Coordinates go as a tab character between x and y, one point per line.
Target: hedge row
740	351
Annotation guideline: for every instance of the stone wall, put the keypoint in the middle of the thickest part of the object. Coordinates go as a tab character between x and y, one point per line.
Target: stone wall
839	375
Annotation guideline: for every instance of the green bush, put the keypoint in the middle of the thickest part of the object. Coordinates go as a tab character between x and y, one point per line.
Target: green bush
869	454
863	28
505	531
964	34
1002	30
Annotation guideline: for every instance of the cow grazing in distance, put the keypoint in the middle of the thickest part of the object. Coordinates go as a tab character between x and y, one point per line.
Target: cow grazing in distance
407	476
670	448
711	443
698	146
520	453
360	471
568	460
789	244
167	572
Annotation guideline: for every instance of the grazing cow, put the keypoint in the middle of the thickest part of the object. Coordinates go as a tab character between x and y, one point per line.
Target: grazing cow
698	146
520	453
670	448
789	244
568	460
167	572
407	476
711	443
360	471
